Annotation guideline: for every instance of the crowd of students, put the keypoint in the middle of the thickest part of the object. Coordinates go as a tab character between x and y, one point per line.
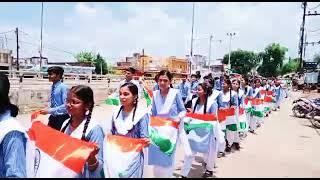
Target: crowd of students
250	99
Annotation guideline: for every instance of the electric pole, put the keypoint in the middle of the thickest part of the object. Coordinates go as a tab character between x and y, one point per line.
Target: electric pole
41	36
191	49
209	56
229	64
17	37
302	34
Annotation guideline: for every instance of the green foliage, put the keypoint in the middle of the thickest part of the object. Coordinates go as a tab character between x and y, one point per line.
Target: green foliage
291	66
272	60
95	60
87	57
242	61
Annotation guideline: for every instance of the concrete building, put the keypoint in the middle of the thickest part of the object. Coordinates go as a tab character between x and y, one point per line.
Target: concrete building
5	59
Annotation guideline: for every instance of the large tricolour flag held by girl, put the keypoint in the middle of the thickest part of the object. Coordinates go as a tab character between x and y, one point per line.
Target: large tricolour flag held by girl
122	156
200	130
51	153
163	133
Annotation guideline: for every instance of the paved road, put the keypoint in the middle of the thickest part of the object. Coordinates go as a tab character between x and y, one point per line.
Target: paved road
283	147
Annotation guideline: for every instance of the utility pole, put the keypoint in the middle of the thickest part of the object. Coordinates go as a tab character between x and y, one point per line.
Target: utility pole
229	64
17	37
191	49
41	35
209	56
302	34
143	60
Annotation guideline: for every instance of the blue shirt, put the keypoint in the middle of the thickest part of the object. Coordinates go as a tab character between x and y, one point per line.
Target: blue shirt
194	86
95	135
217	84
139	130
60	93
156	87
176	108
12	153
184	88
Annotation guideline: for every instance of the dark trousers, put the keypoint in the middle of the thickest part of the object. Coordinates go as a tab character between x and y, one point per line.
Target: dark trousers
56	121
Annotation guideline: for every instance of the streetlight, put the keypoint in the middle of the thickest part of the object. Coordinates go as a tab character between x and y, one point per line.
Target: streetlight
191	49
230	34
210	41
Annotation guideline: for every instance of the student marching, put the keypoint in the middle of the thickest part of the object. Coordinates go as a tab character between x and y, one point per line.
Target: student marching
208	115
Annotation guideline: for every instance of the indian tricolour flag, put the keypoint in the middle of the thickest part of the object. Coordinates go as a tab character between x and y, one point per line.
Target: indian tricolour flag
222	116
51	153
258	109
147	93
231	119
242	120
200	130
113	99
268	101
122	156
163	133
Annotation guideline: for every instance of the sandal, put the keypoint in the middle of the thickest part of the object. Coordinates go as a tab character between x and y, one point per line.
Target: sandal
207	174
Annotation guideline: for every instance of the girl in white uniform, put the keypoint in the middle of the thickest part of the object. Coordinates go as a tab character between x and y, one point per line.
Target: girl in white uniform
80	103
204	104
131	120
167	102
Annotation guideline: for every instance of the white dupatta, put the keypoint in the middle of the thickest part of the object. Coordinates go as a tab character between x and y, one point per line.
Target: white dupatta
124	124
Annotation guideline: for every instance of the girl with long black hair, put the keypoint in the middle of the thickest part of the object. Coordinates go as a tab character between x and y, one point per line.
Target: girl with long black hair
131	120
12	136
80	103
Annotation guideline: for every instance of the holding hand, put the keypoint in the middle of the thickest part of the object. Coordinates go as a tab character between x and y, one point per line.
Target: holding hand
92	160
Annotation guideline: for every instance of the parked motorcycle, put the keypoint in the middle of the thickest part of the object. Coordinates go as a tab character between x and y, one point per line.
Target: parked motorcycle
306	108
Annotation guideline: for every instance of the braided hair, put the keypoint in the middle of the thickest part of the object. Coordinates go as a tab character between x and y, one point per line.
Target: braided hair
134	90
227	80
208	91
4	97
85	94
237	90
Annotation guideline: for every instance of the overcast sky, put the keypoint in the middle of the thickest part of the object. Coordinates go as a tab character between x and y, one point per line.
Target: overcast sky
163	29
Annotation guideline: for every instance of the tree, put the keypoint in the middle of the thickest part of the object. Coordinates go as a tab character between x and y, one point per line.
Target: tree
291	66
84	56
99	61
242	61
95	60
272	60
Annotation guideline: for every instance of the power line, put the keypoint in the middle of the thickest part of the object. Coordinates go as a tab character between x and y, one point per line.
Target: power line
48	47
6	32
315	30
51	48
314	7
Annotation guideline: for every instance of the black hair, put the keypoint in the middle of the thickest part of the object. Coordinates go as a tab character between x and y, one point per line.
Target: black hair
85	94
208	90
132	70
166	73
257	80
4	97
193	75
156	78
237	90
134	90
56	70
246	81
